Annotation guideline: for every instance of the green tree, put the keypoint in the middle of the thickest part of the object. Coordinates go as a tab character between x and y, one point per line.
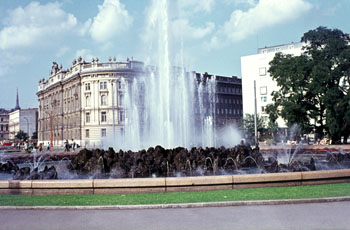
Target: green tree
249	127
35	136
272	126
21	135
315	86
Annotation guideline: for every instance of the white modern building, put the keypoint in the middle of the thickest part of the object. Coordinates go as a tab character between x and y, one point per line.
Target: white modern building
255	67
23	119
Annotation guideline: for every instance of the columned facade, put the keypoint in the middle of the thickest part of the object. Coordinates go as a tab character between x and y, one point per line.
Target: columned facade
84	103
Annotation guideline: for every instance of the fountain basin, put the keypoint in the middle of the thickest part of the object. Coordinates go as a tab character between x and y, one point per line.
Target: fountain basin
171	184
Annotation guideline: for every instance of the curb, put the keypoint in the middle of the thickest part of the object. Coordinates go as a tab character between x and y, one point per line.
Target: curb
185	205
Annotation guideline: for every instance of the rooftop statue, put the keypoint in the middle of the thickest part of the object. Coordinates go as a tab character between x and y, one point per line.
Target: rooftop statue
54	68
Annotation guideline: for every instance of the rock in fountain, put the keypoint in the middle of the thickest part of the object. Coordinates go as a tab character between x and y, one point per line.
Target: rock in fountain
162	162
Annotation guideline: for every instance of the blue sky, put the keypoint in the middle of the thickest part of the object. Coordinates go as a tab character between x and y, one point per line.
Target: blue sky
209	35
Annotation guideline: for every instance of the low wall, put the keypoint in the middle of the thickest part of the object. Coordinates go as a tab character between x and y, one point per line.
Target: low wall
172	184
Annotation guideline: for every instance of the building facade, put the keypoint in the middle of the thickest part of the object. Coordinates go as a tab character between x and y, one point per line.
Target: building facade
228	99
86	103
25	120
255	68
4	124
78	103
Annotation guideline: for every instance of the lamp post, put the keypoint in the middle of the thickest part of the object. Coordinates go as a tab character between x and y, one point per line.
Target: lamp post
255	117
51	143
113	111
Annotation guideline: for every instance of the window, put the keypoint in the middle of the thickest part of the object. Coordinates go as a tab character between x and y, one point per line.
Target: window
263	109
88	101
121	116
87	133
2	128
87	86
103	85
103	117
2	119
121	99
120	85
103	100
103	132
263	90
263	99
262	71
87	117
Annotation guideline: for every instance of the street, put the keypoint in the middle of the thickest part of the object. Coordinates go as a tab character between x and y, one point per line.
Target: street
298	216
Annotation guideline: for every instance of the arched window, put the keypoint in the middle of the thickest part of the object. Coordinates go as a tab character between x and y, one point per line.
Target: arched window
88	101
103	100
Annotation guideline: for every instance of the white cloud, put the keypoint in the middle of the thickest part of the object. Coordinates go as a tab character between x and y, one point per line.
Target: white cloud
182	27
85	27
241	2
35	24
265	14
111	20
8	59
86	54
62	51
196	5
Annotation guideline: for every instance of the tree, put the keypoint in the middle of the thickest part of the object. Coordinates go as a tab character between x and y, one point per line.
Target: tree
35	136
272	126
249	126
315	86
21	135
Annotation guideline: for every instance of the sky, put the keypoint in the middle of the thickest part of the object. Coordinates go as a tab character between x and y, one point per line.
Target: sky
204	35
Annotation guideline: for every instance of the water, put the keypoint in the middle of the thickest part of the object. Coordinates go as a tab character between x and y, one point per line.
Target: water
168	106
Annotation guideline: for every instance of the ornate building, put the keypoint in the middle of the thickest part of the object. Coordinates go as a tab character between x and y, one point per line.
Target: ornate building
78	103
87	102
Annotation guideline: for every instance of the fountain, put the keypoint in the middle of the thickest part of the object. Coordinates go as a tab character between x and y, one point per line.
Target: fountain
168	107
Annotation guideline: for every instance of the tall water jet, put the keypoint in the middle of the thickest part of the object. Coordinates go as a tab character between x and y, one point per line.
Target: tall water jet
168	106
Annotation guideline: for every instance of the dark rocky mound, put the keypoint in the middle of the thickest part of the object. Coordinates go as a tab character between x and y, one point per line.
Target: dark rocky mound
162	162
25	174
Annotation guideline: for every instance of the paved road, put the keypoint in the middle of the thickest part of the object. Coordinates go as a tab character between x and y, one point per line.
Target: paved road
296	216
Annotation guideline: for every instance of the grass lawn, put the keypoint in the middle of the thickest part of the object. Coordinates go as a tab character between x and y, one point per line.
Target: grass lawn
294	192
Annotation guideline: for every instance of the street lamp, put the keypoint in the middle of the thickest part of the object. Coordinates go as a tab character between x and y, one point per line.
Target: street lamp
50	114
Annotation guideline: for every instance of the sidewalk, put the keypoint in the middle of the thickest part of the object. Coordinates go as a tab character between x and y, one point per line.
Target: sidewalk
183	205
